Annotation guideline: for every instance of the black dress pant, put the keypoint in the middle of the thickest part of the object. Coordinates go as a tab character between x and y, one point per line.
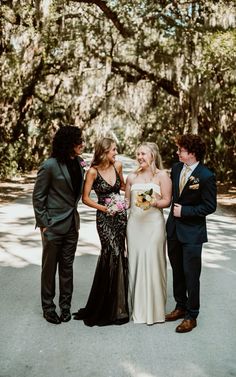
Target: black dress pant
185	260
58	251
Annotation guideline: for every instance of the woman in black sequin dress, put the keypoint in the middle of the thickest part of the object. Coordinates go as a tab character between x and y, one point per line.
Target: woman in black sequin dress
107	303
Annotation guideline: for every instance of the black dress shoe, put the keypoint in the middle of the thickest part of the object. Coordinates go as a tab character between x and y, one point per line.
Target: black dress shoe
52	317
65	316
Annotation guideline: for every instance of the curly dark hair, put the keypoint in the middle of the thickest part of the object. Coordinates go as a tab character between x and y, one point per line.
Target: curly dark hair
193	144
64	141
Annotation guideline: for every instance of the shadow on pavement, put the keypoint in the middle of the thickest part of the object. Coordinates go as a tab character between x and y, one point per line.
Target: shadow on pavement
31	347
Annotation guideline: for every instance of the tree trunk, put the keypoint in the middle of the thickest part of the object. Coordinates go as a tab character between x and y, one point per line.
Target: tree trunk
194	108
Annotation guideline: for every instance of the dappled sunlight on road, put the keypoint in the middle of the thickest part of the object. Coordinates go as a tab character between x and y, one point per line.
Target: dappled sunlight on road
88	238
18	259
133	371
134	350
20	242
217	253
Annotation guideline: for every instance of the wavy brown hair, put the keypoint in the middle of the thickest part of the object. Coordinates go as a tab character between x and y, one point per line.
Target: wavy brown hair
102	147
193	144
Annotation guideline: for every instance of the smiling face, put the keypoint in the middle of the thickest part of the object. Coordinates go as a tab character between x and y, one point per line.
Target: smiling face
78	149
144	157
185	157
111	155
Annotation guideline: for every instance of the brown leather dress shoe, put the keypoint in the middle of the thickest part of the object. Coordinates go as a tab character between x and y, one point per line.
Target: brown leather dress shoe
175	314
186	325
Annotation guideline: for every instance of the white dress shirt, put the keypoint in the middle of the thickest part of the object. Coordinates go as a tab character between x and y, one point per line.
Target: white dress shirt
192	167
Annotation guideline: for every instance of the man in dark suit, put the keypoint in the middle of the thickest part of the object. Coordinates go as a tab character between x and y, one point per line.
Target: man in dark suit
194	197
56	194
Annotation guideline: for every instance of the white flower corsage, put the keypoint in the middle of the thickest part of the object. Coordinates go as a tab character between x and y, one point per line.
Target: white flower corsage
194	183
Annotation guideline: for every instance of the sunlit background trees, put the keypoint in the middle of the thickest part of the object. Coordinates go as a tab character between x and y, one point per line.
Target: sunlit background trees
137	70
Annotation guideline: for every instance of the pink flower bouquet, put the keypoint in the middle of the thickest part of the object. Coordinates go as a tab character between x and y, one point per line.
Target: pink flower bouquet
115	204
83	164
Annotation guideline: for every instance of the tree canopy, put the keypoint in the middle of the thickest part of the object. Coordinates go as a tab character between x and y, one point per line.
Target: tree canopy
138	70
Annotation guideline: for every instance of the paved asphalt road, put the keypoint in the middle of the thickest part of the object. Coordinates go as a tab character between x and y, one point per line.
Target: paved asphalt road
31	347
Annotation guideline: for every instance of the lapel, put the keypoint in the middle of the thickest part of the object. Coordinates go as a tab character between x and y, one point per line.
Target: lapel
176	178
66	174
194	173
80	166
79	159
197	170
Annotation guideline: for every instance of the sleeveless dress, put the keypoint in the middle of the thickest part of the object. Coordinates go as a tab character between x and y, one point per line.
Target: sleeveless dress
147	259
108	299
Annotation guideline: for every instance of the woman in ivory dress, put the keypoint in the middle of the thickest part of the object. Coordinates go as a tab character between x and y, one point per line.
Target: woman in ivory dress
148	191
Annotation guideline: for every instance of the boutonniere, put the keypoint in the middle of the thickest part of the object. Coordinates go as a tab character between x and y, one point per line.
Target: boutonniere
83	164
194	183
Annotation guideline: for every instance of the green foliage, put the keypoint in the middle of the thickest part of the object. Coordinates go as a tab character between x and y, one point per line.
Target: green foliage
8	160
140	70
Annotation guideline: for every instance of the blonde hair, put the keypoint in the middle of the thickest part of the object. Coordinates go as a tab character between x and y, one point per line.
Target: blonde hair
102	147
156	162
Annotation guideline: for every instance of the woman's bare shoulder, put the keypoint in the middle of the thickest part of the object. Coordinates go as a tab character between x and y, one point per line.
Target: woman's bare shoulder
161	176
118	165
131	177
163	173
92	172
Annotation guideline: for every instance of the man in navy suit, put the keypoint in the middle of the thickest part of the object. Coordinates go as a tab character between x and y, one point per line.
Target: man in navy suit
194	197
56	194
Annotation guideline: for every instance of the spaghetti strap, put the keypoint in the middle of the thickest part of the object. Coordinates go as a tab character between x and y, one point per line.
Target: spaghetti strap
116	174
116	170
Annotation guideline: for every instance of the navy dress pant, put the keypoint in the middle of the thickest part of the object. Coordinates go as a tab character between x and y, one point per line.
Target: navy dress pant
185	260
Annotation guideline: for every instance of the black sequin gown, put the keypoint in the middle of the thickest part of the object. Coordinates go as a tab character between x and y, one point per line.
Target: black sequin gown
107	303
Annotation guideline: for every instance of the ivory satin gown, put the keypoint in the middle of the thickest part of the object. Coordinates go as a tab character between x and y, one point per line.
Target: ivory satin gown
146	239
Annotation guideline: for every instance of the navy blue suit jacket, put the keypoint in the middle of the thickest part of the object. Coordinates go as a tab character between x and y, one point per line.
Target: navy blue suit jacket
198	199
